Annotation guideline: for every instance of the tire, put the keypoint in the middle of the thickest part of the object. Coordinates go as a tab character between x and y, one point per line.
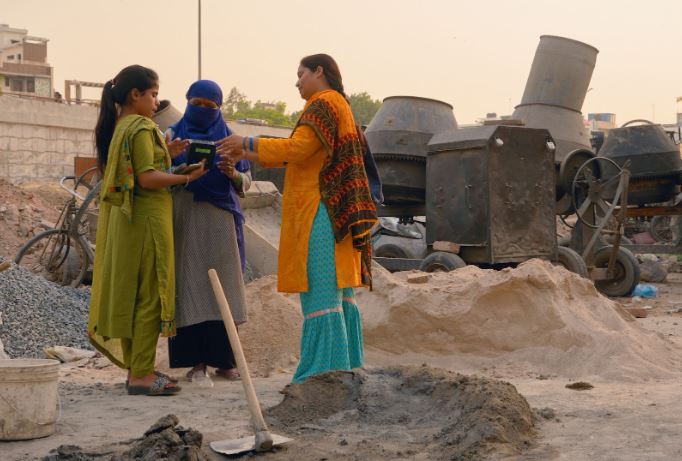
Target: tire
55	255
441	261
390	250
627	272
572	261
661	229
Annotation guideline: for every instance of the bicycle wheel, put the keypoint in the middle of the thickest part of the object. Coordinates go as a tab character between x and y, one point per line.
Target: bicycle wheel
55	255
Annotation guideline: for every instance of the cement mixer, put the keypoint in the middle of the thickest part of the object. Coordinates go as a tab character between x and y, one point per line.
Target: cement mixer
491	193
166	115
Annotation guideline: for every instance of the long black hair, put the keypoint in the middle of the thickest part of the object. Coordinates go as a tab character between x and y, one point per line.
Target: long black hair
115	92
330	69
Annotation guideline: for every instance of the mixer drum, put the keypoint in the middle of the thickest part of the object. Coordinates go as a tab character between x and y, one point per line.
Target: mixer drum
398	136
653	157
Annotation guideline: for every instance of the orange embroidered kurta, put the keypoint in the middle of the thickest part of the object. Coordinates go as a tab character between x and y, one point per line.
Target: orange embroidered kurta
303	155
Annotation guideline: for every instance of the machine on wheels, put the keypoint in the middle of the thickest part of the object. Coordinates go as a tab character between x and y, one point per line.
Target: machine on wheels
491	194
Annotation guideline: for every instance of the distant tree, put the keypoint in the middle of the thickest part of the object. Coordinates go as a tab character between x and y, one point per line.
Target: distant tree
364	107
237	106
294	117
235	102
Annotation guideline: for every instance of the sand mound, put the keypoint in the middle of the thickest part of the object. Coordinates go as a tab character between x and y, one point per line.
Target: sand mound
271	336
413	410
539	315
535	319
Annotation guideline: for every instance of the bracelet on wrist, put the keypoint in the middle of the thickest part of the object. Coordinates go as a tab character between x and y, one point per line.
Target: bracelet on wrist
251	143
244	143
186	180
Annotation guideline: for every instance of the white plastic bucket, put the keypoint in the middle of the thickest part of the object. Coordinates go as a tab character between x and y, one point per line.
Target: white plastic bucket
28	398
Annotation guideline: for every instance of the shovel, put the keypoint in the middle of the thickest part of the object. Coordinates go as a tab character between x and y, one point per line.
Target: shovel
263	440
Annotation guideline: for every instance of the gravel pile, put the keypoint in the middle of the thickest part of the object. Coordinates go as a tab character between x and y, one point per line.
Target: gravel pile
37	313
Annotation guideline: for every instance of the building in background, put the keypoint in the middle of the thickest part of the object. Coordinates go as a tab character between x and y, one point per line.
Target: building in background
23	64
602	121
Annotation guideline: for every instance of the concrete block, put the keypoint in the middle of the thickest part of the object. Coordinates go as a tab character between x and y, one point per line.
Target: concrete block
262	255
25	144
53	133
19	171
62	159
4	142
48	171
59	146
4	171
85	148
19	157
70	146
39	145
35	131
260	195
15	130
86	135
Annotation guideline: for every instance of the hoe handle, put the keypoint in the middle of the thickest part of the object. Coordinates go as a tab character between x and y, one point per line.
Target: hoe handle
263	437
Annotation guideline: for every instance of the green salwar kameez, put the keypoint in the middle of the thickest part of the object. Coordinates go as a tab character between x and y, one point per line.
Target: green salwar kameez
133	290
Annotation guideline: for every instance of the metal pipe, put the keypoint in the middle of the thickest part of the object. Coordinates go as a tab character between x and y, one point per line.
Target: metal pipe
199	33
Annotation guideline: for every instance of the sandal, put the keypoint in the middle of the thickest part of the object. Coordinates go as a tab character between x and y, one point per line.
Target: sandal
231	374
160	374
160	386
168	377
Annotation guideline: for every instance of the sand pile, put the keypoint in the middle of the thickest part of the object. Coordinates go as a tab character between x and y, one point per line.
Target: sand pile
537	315
271	336
24	210
536	319
410	412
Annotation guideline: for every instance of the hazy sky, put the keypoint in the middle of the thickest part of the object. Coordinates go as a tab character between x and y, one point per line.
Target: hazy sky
475	55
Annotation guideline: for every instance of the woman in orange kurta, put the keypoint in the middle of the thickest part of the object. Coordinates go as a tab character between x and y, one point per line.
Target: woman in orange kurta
327	214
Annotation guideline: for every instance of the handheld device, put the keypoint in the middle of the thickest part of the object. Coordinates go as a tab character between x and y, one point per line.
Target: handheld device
201	150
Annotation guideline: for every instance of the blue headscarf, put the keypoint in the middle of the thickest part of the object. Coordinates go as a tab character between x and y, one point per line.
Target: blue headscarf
207	124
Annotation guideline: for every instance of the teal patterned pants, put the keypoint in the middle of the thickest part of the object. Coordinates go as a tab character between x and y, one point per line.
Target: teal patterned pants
332	333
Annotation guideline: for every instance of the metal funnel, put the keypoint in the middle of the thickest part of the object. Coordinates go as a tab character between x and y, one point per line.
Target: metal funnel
555	91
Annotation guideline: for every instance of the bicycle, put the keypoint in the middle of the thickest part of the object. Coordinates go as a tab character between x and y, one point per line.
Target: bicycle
63	254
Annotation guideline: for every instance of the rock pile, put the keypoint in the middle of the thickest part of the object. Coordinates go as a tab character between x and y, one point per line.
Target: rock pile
37	313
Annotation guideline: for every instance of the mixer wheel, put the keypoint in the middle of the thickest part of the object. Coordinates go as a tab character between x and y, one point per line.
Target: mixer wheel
626	276
440	261
571	261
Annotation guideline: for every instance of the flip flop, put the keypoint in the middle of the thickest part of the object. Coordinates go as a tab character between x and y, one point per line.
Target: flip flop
160	386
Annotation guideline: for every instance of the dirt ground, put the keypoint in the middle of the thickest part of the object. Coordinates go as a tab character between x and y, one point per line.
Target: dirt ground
616	420
631	413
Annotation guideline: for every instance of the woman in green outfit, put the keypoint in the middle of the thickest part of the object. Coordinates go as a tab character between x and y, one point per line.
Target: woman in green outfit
133	289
